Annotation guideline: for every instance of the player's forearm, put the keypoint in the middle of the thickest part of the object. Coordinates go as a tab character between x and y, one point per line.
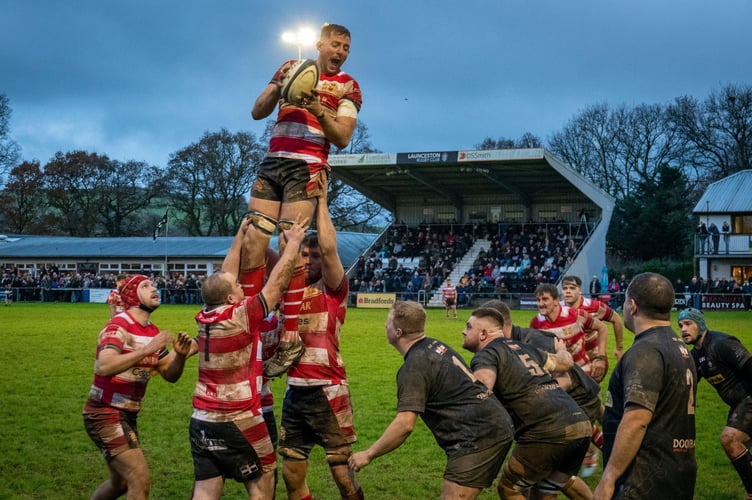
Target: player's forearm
231	264
561	361
112	364
175	367
618	331
602	338
266	102
629	437
393	436
338	130
281	274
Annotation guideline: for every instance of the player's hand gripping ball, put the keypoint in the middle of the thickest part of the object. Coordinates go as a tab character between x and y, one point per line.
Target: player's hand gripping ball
301	79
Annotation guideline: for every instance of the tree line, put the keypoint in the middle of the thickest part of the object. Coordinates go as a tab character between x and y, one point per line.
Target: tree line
655	160
204	189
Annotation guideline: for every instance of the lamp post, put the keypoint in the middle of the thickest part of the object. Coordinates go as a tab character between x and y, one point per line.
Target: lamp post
302	37
707	212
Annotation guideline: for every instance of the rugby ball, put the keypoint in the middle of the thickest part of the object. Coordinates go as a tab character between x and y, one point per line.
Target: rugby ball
303	76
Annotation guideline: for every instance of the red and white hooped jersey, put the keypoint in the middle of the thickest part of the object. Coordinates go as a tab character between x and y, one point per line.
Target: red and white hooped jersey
321	316
298	133
230	365
595	308
126	389
269	340
570	326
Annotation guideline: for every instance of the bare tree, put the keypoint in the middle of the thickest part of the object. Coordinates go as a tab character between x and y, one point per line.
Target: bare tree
210	181
72	181
589	143
526	140
616	148
348	207
127	189
718	130
22	202
10	152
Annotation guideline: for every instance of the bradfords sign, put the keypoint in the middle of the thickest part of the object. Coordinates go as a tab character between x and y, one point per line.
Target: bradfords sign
376	300
723	302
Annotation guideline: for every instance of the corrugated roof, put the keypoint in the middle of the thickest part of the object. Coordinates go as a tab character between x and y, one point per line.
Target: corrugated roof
730	195
349	245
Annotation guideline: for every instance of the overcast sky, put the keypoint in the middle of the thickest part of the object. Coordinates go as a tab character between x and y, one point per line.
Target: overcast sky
141	79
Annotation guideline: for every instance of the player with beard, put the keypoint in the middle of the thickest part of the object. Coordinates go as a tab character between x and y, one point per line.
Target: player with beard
584	335
579	385
552	433
724	362
130	348
317	409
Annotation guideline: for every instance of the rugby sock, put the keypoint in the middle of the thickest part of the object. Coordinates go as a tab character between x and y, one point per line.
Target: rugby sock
358	495
597	437
252	280
291	300
743	466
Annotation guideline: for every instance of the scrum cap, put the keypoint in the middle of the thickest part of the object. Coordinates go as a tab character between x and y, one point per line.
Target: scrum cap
695	315
129	290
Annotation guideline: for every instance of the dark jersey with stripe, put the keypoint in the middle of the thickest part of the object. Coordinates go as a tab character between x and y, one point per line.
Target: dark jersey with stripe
721	361
540	409
656	373
463	415
583	389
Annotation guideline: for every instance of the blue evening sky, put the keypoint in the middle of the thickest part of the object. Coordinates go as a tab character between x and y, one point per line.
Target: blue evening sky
140	79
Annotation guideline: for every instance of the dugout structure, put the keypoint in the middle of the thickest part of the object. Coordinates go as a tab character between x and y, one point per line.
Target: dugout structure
507	186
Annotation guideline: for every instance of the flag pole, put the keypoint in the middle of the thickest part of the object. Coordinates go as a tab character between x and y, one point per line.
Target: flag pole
166	234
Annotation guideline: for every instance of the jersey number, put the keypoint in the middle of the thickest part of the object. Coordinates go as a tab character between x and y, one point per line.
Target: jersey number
691	399
533	367
462	366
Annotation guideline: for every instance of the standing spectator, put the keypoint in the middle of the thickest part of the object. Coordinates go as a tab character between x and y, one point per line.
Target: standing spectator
702	236
130	348
317	409
649	422
449	295
227	398
613	290
465	418
191	288
726	230
623	285
595	287
747	291
727	365
695	290
715	235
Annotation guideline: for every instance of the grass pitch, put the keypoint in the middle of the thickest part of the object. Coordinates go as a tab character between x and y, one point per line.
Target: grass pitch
49	354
